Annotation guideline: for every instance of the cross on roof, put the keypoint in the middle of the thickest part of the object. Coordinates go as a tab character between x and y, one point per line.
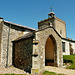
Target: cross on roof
51	9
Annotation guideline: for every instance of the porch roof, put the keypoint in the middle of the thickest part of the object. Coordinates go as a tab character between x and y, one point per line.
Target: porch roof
25	36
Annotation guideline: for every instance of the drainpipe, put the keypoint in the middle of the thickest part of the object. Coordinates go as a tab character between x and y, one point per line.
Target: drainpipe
8	46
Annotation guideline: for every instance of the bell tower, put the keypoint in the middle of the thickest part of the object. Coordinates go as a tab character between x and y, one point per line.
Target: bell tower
47	22
51	14
53	21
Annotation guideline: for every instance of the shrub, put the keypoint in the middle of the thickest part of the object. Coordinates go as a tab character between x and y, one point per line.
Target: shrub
69	59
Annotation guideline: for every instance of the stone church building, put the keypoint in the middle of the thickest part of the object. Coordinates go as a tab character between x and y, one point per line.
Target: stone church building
31	49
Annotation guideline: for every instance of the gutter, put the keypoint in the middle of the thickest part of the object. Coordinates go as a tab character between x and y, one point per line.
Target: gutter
8	45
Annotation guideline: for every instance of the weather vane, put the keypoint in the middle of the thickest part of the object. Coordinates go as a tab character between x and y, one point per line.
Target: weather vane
51	9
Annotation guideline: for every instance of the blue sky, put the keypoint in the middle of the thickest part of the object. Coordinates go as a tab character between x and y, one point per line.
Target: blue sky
29	12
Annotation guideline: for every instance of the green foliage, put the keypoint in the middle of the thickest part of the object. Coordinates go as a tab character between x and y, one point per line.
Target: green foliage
61	74
69	59
51	73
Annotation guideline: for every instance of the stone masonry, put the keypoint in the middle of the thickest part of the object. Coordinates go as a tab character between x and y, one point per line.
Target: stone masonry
25	47
22	54
9	32
41	36
1	27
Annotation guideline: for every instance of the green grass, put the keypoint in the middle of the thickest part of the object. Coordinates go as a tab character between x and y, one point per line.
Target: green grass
51	73
71	60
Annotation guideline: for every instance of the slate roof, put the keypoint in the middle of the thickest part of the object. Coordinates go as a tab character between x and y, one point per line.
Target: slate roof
20	26
30	34
51	13
69	39
25	36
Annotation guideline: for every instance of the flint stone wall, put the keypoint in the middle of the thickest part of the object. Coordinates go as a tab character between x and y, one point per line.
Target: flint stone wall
23	54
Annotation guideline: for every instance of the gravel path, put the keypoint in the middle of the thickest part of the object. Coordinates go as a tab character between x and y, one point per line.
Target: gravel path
11	70
60	70
14	70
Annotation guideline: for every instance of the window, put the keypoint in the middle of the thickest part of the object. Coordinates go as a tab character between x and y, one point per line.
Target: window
60	31
63	46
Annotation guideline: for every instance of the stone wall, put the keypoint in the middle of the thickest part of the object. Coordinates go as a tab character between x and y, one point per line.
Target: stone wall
46	23
15	32
60	27
1	27
67	47
73	47
23	54
42	37
4	46
57	23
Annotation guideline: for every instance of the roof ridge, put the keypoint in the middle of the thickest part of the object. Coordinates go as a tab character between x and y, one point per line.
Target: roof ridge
20	25
28	35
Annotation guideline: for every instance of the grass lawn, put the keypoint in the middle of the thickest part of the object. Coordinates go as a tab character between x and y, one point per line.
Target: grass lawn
71	60
51	73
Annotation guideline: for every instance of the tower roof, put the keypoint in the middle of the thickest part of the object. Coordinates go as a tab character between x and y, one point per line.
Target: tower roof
51	13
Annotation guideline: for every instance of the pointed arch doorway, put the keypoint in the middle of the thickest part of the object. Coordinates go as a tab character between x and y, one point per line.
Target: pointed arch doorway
50	52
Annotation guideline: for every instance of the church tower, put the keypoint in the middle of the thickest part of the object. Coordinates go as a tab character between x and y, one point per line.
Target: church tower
58	24
52	14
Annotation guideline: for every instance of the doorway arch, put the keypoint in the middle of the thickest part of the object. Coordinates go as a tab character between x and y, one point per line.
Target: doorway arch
50	52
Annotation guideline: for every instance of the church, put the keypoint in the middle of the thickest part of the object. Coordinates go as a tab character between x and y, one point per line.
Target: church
32	49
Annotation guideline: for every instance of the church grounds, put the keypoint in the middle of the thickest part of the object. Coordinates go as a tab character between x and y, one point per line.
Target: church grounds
51	73
69	61
44	73
13	74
